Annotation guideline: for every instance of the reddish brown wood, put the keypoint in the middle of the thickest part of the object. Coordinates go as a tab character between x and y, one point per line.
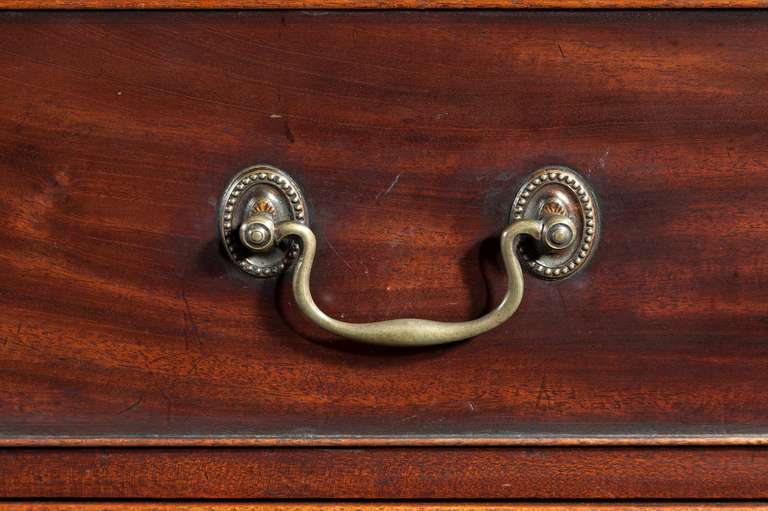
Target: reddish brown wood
398	473
585	440
381	4
409	132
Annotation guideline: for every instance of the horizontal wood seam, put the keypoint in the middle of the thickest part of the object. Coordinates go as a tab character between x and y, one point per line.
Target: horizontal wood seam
382	4
208	441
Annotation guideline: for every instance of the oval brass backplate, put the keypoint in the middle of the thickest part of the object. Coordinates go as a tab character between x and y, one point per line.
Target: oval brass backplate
258	194
557	190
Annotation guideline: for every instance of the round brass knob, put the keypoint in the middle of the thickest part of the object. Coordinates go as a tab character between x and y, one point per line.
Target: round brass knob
257	233
559	233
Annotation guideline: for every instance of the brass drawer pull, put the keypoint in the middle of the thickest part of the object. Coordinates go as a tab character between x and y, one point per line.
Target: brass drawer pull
410	332
263	213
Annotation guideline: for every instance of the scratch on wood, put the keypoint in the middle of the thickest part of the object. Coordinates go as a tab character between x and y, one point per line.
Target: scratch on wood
603	158
132	405
333	249
544	397
389	188
190	326
563	303
560	48
289	134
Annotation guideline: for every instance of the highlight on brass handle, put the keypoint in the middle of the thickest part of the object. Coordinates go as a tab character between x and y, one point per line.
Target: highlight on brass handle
409	332
263	223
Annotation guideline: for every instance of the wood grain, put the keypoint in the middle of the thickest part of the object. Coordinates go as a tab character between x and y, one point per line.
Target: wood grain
582	440
409	131
403	473
382	4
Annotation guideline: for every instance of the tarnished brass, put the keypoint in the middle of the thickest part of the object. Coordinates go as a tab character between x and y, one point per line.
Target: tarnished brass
254	201
410	332
553	225
565	202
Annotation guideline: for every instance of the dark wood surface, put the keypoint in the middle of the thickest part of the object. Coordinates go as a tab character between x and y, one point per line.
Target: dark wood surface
382	4
365	506
386	473
409	132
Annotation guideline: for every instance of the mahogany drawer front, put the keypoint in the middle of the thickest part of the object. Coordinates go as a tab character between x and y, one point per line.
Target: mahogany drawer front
122	322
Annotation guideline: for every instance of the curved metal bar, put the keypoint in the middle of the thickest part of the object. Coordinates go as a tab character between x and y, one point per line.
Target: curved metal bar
408	331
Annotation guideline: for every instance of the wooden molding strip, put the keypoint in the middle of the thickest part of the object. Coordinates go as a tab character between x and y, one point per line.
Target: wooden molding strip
545	473
382	4
399	441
